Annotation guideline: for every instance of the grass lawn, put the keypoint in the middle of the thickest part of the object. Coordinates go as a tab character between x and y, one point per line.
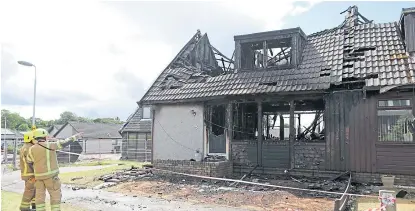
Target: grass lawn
11	201
89	176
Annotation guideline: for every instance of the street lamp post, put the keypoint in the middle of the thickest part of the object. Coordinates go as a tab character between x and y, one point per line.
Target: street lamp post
28	64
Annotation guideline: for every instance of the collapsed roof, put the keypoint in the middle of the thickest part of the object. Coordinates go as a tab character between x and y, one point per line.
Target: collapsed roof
356	54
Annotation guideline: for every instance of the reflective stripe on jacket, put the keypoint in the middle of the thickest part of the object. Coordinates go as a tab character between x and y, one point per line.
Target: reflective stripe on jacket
45	160
26	170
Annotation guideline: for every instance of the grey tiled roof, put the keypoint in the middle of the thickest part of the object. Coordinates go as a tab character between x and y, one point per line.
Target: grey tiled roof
96	130
371	53
135	124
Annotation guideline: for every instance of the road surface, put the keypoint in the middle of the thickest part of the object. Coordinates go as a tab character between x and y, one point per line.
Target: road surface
101	200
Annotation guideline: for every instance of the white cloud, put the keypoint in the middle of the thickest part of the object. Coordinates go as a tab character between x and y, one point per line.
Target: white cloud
270	13
80	49
72	44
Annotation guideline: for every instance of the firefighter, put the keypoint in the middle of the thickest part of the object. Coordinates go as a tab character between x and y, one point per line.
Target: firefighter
27	174
46	169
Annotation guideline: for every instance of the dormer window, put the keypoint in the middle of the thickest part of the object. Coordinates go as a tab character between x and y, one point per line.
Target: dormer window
279	49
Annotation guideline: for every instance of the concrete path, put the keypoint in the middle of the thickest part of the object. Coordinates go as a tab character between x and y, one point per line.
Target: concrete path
95	200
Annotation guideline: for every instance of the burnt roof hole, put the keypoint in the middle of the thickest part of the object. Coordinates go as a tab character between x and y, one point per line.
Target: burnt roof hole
269	83
373	75
363	49
350	79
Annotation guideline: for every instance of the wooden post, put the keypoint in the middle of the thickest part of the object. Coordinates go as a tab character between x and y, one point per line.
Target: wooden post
268	136
229	130
243	121
299	124
292	134
265	56
282	127
260	133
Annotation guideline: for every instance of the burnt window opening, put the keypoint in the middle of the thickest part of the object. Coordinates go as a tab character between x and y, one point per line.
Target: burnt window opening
218	119
275	53
308	126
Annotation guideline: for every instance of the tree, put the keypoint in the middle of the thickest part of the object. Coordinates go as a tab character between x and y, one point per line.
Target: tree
65	117
84	119
23	127
108	120
13	120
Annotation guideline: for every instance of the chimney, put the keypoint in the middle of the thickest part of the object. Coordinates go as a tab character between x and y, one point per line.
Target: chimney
407	27
352	16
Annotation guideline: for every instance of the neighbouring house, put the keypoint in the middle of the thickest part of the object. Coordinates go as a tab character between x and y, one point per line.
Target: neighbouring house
356	80
54	128
10	136
136	136
98	138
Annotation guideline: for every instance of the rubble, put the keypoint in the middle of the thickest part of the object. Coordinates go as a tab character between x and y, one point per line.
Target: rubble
76	178
127	175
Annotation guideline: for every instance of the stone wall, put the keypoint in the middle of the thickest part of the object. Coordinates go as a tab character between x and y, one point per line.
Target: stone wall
240	151
212	169
309	155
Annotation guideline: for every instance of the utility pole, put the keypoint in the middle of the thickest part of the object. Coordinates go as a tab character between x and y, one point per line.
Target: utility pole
4	140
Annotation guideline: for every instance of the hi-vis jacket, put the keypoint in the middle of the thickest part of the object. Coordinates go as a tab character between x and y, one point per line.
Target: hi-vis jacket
26	169
44	158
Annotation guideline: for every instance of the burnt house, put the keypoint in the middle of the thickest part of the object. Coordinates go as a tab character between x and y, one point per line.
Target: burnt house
355	82
136	136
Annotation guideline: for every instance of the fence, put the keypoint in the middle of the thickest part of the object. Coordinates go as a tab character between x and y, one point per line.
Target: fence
137	147
90	149
10	151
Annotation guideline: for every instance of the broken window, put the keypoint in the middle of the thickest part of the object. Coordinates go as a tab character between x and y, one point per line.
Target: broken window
395	120
268	53
216	122
279	52
311	126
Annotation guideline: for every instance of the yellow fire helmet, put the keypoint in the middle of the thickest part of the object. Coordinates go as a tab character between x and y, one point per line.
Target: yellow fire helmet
40	133
28	136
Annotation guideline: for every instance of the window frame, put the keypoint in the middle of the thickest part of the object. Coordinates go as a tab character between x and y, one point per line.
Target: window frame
411	107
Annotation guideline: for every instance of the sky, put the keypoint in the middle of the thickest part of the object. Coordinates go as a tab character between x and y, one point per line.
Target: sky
97	59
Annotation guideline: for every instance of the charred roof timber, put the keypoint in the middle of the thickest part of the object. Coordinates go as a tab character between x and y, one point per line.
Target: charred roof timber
353	55
280	49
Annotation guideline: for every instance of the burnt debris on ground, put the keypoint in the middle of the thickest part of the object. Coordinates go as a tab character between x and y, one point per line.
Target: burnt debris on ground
206	186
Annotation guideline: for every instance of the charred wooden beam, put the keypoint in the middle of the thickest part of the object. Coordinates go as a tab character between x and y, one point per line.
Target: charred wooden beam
292	134
229	130
260	134
219	53
282	127
264	62
278	54
283	52
267	126
229	66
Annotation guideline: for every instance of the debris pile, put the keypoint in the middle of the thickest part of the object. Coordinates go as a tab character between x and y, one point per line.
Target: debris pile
127	175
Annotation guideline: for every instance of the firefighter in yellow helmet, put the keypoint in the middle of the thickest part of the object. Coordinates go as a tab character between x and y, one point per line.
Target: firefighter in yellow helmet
27	174
44	158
